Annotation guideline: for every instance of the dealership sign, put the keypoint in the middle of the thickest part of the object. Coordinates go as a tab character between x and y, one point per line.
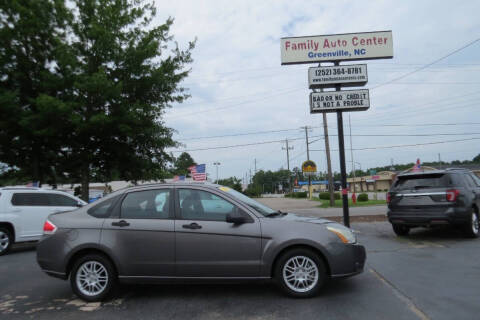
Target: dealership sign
338	47
347	75
333	101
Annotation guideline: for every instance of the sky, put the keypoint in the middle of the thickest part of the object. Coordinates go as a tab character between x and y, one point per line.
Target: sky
238	85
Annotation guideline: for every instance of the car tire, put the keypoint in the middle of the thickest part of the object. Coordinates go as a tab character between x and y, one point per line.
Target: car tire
93	277
472	228
6	240
300	273
400	230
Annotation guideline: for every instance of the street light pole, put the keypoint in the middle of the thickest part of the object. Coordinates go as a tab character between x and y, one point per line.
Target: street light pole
216	164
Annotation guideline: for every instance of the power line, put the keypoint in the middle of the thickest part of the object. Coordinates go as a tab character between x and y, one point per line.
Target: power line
427	65
407	145
300	138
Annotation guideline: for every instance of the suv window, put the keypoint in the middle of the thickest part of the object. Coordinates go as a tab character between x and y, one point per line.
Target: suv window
59	200
423	181
202	205
30	199
475	179
151	204
102	209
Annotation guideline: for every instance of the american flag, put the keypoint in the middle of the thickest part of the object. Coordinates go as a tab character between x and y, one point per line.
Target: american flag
33	184
198	172
178	178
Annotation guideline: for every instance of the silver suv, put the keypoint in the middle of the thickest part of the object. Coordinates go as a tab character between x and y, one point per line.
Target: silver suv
23	212
194	232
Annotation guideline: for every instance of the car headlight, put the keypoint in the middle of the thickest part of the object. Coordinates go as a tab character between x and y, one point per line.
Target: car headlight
344	233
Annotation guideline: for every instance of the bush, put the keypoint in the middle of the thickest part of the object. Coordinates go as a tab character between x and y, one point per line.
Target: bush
363	197
303	194
326	196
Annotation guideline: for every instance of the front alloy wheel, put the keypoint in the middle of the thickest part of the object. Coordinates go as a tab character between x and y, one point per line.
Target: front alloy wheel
92	277
5	241
300	273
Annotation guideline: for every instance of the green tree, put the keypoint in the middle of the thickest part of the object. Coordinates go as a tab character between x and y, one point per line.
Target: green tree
31	37
232	182
123	78
182	163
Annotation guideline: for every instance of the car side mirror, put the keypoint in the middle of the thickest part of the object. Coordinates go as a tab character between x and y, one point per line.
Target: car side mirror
236	219
79	204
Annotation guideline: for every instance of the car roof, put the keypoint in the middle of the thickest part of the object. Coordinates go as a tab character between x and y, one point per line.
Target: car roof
174	184
430	172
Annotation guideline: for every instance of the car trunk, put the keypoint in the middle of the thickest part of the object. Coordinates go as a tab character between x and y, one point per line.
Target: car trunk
422	193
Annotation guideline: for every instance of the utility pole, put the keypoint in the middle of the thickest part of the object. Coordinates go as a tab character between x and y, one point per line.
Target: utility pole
343	169
308	158
351	151
439	159
288	164
331	186
216	164
255	165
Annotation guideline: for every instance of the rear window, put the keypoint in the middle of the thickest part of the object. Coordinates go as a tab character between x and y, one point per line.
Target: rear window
423	181
30	199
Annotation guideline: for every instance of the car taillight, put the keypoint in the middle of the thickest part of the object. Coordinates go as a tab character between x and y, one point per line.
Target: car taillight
452	195
49	228
389	197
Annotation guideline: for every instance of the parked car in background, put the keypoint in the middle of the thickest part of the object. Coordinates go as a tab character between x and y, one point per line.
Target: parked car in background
24	210
194	232
432	198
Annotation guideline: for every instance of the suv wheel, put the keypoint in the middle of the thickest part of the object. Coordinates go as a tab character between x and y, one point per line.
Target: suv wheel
5	240
472	228
92	277
300	273
400	230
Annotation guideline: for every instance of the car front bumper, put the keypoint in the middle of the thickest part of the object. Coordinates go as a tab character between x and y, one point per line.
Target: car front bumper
351	262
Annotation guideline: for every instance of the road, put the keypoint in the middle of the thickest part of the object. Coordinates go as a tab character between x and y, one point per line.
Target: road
429	275
310	208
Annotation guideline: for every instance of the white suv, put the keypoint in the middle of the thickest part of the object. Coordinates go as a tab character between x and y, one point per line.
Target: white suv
23	212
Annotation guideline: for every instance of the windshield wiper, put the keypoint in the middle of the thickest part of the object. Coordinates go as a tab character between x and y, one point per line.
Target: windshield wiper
421	187
273	214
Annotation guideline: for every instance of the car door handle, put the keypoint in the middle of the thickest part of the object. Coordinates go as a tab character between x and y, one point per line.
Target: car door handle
121	223
192	226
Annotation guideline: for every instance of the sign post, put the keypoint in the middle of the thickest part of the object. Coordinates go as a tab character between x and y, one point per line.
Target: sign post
336	48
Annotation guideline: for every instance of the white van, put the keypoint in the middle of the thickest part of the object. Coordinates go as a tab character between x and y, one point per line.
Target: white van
23	212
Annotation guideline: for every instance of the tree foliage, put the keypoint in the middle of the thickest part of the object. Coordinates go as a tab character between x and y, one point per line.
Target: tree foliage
84	88
232	182
182	163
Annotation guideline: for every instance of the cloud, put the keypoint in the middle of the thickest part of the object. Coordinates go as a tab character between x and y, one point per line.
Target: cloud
238	85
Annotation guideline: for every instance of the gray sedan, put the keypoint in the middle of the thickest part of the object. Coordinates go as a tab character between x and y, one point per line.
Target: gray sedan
193	232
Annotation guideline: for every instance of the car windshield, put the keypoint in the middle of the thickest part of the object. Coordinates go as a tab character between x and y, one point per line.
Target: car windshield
261	208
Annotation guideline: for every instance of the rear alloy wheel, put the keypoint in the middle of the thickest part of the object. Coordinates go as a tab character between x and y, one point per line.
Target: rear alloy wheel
400	230
92	277
5	240
300	273
472	228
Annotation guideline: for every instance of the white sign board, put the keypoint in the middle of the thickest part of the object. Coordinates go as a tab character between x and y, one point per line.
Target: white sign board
347	75
348	46
333	101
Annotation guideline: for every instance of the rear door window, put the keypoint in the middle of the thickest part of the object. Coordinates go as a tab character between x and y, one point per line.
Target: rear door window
31	199
148	204
423	181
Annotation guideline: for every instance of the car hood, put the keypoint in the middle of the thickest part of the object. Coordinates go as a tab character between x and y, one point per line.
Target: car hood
297	218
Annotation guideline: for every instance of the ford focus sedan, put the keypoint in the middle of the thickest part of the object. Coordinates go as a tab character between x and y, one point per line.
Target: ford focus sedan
193	232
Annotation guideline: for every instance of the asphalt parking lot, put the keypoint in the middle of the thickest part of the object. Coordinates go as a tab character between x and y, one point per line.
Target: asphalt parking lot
433	274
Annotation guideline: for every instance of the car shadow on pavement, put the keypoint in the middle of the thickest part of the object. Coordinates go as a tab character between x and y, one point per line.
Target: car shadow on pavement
438	233
22	247
261	290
